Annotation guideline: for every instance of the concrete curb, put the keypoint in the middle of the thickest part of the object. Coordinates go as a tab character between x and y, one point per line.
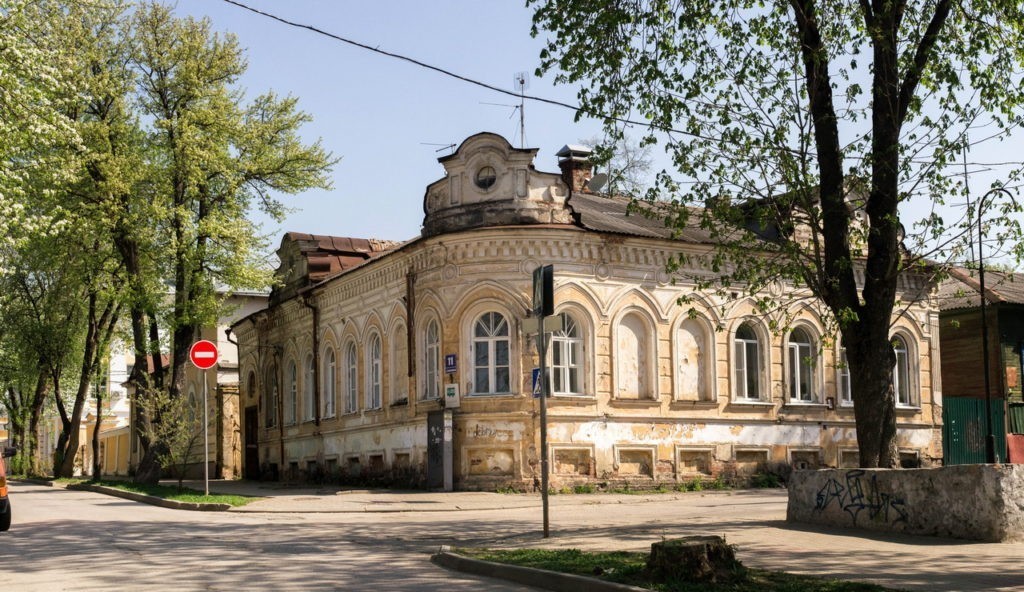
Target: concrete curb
148	499
528	576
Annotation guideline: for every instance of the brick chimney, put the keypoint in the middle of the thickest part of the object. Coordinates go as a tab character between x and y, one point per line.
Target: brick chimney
574	160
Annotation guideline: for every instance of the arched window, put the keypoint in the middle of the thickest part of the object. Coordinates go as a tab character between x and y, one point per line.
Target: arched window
567	358
270	390
491	354
901	382
351	379
801	352
694	359
373	373
747	364
634	359
432	361
308	390
329	380
291	393
398	389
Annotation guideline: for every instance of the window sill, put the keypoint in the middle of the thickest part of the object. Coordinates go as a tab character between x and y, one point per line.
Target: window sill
490	395
692	403
753	404
793	405
635	402
907	409
574	397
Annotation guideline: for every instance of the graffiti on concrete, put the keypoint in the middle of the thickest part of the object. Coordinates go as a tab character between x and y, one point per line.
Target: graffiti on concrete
857	497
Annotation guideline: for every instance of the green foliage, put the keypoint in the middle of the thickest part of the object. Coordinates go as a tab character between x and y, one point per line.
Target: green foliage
765	481
129	159
630	568
178	431
799	134
178	493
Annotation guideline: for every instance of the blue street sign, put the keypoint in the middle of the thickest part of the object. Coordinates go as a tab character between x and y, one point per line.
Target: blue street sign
450	363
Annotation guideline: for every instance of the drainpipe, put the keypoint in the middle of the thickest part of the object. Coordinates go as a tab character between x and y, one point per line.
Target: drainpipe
307	300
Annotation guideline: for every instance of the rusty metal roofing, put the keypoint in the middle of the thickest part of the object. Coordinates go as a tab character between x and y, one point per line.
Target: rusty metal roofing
330	255
611	214
960	289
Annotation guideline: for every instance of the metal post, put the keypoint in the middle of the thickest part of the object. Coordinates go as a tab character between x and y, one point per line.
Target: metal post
542	345
990	437
206	434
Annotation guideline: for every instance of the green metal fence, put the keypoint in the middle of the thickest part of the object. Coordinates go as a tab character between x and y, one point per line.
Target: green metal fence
964	430
1017	418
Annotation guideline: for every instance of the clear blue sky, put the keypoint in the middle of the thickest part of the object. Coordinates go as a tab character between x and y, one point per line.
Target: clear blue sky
376	112
381	116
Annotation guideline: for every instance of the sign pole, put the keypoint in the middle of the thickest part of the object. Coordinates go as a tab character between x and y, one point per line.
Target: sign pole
206	434
543	307
204	356
542	346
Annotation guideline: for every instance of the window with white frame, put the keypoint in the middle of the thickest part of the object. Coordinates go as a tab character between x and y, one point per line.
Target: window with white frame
308	390
373	373
901	382
567	358
746	364
491	354
329	380
432	361
843	379
801	350
351	379
270	400
291	393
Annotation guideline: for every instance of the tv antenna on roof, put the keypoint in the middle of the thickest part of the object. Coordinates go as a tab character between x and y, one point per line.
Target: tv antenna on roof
522	82
442	146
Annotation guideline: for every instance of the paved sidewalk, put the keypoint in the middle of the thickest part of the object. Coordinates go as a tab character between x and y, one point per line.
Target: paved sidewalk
289	498
754	520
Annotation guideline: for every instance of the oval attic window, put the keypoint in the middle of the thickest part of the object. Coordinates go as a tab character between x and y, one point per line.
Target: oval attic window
486	177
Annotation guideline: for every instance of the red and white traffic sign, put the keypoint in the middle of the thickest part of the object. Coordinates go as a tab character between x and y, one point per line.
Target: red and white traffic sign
203	354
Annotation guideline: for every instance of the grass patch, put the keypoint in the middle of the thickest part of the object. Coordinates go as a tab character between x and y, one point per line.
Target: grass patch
169	492
630	568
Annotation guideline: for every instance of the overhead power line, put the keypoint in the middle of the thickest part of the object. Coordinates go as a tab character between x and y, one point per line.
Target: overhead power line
451	74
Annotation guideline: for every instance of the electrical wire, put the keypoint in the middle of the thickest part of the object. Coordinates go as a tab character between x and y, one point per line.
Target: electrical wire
451	74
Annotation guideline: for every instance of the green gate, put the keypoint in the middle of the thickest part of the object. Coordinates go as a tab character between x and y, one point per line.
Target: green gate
963	430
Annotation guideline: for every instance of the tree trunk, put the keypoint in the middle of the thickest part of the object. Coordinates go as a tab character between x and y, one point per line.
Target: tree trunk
96	464
871	358
32	443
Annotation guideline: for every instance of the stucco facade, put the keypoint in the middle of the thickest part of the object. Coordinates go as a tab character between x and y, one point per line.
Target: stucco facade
341	374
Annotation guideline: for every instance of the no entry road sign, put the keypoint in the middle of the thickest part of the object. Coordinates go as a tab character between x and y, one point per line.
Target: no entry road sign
203	354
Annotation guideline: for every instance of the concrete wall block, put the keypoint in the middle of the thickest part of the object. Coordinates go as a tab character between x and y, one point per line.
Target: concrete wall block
975	502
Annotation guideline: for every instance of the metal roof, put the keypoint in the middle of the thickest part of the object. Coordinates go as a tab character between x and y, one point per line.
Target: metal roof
960	289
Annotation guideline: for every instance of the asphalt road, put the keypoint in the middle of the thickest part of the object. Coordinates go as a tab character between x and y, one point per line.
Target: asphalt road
71	540
323	540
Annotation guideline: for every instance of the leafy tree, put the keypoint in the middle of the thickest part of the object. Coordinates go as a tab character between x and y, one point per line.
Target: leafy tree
178	434
217	156
815	120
